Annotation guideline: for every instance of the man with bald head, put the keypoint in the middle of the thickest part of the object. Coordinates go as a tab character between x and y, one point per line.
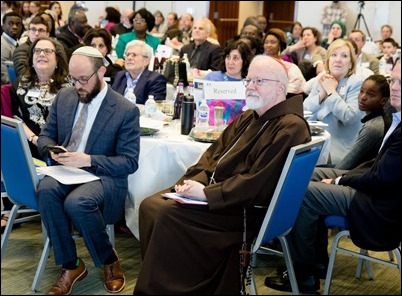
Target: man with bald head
193	249
71	36
100	130
124	26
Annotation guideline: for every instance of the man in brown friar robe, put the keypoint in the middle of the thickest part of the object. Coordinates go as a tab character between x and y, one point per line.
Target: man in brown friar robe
194	249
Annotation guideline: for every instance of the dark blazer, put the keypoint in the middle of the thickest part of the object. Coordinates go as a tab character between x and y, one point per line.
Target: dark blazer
69	41
113	143
150	83
375	211
210	57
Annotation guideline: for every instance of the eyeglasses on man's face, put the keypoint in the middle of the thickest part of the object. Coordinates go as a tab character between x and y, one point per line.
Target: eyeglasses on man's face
257	81
47	51
40	31
394	80
133	54
82	80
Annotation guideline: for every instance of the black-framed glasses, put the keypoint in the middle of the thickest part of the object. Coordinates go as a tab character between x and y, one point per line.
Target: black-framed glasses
82	80
40	31
258	81
47	51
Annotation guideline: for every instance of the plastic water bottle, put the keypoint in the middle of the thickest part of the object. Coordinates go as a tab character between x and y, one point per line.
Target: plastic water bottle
150	106
130	95
203	116
187	62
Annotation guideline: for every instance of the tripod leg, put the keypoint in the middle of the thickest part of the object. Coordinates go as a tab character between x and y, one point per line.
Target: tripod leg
357	23
365	24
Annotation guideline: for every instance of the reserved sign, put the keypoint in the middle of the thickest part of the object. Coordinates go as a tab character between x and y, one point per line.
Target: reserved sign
224	90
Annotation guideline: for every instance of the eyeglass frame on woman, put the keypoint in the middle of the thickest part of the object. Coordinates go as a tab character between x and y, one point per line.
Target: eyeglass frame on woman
140	20
47	51
82	81
257	81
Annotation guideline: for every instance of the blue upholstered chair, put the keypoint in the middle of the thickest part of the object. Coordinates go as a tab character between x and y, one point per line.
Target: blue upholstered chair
284	207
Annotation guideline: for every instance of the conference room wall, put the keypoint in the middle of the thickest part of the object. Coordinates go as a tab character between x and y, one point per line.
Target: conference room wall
308	13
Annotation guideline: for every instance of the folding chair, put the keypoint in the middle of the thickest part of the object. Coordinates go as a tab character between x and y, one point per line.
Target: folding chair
20	180
285	204
340	222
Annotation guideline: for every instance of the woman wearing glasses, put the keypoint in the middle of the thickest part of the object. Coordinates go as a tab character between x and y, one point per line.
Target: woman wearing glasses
143	22
35	89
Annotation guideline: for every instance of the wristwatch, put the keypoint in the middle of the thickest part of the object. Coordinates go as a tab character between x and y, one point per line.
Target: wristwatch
30	139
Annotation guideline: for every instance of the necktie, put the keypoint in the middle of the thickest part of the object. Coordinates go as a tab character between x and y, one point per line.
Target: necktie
78	129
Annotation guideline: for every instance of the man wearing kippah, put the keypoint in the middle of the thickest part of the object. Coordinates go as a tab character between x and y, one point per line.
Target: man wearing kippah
101	133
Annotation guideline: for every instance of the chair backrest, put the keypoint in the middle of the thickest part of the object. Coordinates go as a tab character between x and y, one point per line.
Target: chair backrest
289	192
17	167
11	71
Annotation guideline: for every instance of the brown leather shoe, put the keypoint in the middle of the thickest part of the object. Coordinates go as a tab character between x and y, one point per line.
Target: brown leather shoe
114	280
67	279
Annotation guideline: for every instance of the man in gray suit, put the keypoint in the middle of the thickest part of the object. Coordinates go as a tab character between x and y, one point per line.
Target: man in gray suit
109	149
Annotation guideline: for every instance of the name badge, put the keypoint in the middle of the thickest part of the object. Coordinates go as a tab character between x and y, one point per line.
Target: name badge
35	93
366	65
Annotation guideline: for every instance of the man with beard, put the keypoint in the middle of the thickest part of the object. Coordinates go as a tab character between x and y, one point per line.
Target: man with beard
194	249
108	147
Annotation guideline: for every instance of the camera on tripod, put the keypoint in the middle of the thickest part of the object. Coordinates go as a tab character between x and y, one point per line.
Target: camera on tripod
361	3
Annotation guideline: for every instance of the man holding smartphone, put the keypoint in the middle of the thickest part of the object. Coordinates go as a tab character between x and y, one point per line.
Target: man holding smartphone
107	145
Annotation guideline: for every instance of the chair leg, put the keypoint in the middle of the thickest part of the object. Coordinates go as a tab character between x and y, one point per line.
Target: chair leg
7	230
41	265
334	250
289	265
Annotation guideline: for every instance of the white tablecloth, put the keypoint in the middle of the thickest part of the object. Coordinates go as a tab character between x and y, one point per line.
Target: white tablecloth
163	159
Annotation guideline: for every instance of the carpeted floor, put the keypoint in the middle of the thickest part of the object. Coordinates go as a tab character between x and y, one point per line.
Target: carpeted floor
24	248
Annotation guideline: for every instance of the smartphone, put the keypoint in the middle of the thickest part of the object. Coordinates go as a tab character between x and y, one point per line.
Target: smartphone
58	149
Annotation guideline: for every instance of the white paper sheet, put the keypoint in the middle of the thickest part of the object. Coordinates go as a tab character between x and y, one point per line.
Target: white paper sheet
67	175
184	200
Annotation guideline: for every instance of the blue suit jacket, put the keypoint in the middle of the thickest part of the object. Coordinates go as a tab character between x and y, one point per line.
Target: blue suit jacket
150	83
113	143
375	211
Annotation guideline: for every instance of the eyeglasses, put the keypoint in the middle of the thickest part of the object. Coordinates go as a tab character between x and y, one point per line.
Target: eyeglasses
47	51
258	81
40	31
139	20
82	80
133	54
393	80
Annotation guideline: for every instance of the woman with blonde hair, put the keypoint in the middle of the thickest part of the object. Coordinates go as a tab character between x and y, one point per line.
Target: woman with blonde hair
334	98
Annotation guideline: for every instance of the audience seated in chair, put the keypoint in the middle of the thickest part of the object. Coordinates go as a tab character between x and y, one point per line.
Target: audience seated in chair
106	145
368	196
136	76
240	170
